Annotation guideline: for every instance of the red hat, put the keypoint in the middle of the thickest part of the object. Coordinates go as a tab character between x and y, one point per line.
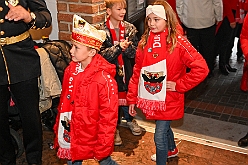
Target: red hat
86	34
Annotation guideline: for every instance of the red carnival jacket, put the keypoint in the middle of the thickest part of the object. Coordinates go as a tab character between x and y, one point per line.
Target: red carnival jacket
94	110
244	46
228	6
183	56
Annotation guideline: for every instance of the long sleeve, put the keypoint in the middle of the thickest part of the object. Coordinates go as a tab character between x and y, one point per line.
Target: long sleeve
218	9
111	52
179	8
198	68
244	38
108	115
134	81
43	15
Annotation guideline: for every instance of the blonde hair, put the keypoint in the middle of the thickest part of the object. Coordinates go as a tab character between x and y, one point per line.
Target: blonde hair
110	3
172	23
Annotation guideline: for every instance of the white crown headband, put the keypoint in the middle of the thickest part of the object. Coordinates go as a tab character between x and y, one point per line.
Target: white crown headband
157	10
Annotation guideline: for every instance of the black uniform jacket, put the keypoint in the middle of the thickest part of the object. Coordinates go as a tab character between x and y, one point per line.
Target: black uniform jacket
20	61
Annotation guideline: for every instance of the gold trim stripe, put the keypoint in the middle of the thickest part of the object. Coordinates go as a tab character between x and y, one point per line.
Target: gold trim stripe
14	39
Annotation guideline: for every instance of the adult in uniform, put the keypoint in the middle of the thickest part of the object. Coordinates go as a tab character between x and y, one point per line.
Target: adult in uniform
19	72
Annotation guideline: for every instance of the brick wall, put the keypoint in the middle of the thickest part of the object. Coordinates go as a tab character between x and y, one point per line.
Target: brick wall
92	11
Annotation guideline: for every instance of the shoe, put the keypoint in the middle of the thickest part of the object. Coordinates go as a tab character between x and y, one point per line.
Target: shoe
243	142
118	140
171	154
223	70
134	127
230	69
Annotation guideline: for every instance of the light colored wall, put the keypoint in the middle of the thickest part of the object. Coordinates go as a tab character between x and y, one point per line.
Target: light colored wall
52	6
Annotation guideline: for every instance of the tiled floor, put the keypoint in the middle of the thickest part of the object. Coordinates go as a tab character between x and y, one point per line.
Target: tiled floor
218	98
136	150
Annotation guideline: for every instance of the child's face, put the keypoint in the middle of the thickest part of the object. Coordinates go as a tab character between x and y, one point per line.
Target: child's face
155	23
117	12
81	53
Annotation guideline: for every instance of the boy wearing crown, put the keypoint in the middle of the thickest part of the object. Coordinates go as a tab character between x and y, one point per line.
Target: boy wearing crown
87	118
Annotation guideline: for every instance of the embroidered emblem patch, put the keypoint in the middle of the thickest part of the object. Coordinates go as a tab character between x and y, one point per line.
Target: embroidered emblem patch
153	81
66	124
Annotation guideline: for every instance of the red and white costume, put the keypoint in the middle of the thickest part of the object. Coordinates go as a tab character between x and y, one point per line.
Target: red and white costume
154	66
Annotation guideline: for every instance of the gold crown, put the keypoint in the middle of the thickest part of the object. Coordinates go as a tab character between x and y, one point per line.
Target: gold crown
86	34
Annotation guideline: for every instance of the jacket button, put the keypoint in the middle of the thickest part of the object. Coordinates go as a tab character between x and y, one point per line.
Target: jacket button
2	33
1	9
1	20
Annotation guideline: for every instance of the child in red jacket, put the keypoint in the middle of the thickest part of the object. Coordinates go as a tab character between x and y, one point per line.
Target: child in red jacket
159	78
87	117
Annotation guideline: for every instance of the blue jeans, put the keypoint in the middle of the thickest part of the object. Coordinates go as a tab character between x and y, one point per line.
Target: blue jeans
106	161
164	140
127	117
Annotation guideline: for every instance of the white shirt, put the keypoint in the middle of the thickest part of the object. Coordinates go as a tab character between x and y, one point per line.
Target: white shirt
199	14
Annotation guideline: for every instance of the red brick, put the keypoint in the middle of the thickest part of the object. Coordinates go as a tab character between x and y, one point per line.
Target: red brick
65	17
65	36
194	104
91	1
62	7
68	0
244	114
236	112
70	27
78	8
95	19
202	105
228	110
211	107
63	27
219	108
187	102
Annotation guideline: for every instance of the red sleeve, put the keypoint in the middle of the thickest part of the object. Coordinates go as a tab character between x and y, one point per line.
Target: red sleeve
108	114
227	10
134	81
246	5
244	38
193	60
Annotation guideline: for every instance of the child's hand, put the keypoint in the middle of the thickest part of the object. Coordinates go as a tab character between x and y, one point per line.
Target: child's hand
171	86
132	112
124	44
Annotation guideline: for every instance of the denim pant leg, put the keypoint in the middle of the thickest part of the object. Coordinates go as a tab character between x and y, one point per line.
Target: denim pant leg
107	161
127	117
171	140
69	162
164	140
